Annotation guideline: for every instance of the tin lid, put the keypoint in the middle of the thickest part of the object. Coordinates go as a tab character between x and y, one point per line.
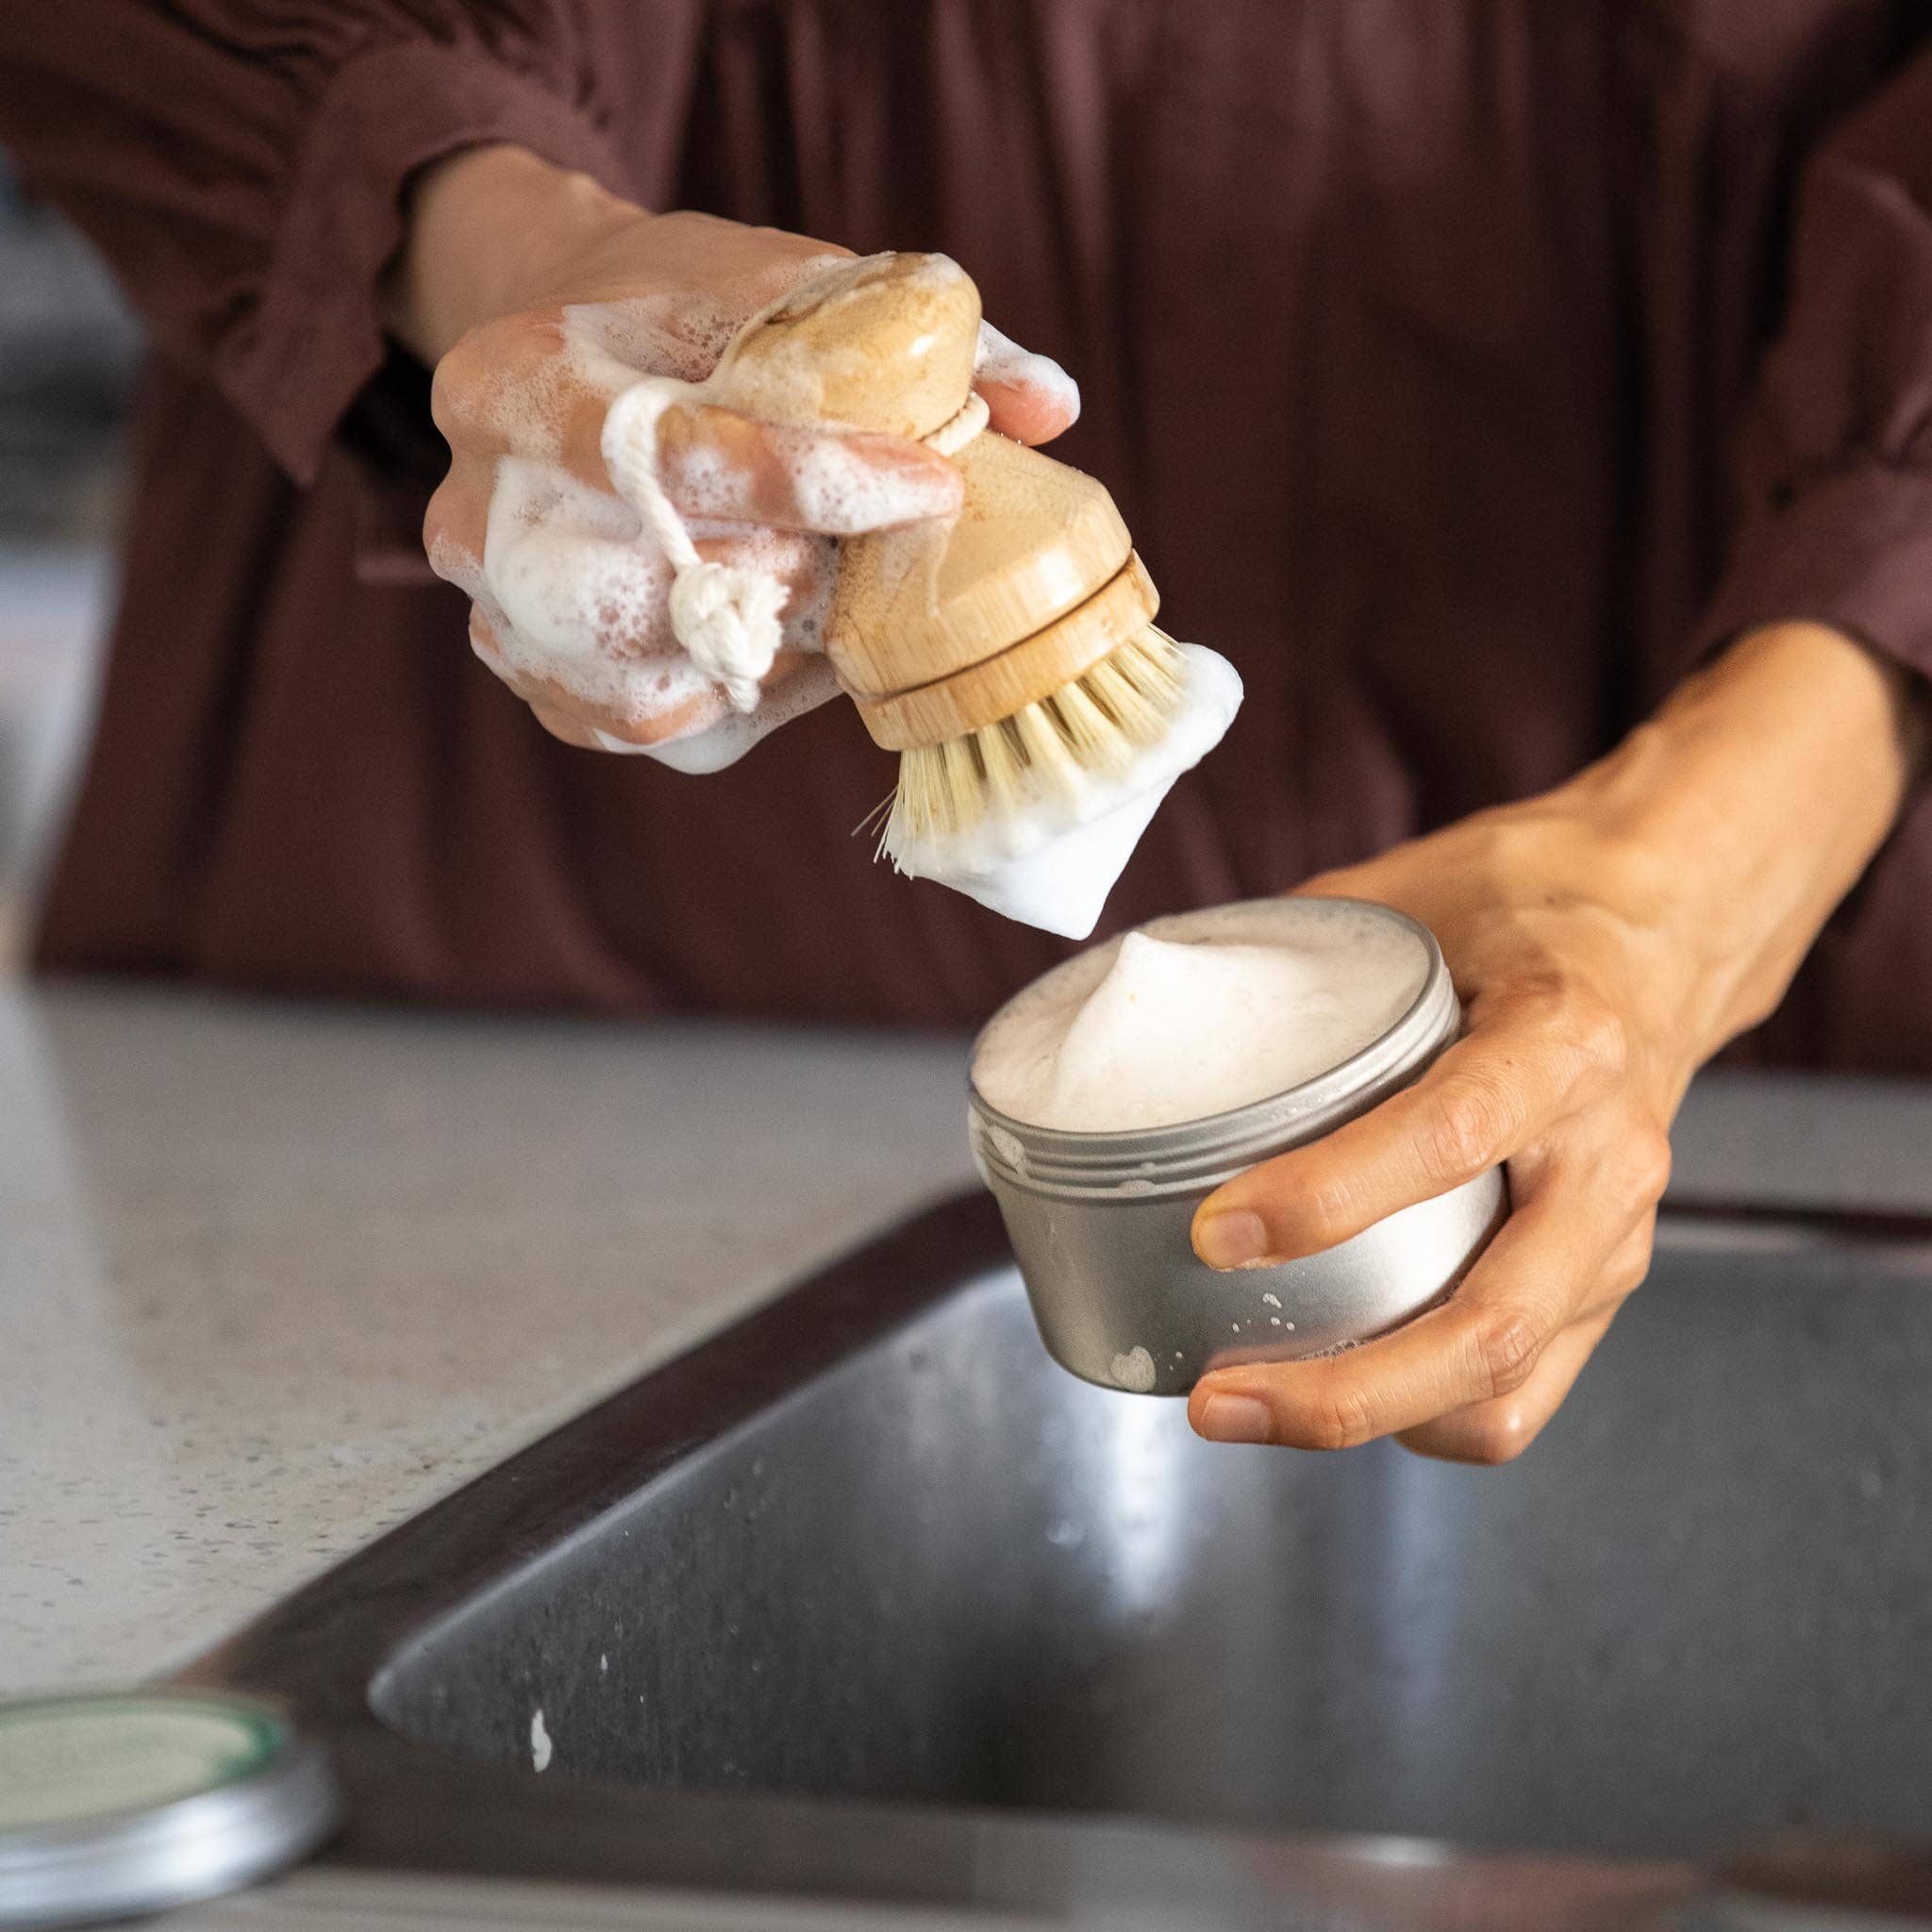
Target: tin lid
123	1803
1187	1156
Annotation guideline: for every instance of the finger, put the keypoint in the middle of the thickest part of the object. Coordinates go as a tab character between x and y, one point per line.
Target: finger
1483	1343
517	388
717	464
651	694
1531	1057
456	525
563	724
588	605
487	635
553	698
513	388
620	734
1499	1430
1028	397
799	681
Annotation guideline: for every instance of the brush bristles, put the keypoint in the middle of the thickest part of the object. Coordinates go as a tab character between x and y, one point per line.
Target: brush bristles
1093	729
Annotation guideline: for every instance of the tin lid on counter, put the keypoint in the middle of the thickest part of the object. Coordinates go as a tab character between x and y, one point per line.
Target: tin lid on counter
122	1803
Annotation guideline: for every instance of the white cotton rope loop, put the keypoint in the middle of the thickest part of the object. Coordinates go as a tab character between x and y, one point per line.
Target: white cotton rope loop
959	431
724	615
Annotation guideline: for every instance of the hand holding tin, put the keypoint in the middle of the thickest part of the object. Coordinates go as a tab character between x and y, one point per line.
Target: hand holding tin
1607	938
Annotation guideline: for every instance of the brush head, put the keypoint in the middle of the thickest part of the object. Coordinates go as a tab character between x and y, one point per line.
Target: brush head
1035	816
1046	755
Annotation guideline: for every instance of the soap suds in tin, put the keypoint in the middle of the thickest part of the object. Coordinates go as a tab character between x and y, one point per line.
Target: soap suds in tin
1134	1371
1150	1032
539	1741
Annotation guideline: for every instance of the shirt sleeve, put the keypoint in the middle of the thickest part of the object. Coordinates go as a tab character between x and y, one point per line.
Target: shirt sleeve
1835	462
240	164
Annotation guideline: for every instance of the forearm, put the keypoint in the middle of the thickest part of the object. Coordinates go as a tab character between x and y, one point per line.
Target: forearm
488	229
1751	803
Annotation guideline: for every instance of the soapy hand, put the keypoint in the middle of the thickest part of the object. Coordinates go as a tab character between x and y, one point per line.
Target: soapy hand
539	299
1606	939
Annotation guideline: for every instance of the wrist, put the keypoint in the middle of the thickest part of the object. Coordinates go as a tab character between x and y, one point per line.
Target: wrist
488	232
1740	814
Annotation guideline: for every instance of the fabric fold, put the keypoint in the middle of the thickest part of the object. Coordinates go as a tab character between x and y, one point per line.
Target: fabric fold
1836	452
317	339
1852	550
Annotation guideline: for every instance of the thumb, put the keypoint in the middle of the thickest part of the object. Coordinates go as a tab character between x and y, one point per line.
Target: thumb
1028	397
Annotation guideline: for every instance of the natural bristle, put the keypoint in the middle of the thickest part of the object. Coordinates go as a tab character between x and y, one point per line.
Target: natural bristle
1094	728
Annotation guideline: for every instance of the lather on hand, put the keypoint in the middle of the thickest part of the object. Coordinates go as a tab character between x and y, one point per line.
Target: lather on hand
1607	938
538	297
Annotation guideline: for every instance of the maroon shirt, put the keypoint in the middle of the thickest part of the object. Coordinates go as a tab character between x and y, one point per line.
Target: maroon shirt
1417	337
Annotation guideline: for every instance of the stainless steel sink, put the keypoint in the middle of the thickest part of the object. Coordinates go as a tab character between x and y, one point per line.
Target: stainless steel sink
869	1566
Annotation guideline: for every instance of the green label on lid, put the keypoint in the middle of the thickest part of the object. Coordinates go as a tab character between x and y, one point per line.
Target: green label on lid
67	1760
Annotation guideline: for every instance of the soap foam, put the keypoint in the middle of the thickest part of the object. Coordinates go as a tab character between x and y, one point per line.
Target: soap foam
1147	1031
575	590
685	335
572	587
1051	863
1001	361
577	599
735	733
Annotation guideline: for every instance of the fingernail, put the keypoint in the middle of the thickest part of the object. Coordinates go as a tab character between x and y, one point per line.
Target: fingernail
1236	1418
1234	1239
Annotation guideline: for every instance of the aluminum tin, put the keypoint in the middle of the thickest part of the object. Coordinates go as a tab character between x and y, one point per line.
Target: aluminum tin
1100	1222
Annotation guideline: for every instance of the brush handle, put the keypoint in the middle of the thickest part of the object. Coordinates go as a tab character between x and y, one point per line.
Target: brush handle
936	632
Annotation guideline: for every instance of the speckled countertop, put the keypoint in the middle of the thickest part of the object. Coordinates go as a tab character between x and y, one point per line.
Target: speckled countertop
275	1276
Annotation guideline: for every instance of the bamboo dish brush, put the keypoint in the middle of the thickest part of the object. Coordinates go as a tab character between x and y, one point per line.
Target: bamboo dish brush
1010	656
